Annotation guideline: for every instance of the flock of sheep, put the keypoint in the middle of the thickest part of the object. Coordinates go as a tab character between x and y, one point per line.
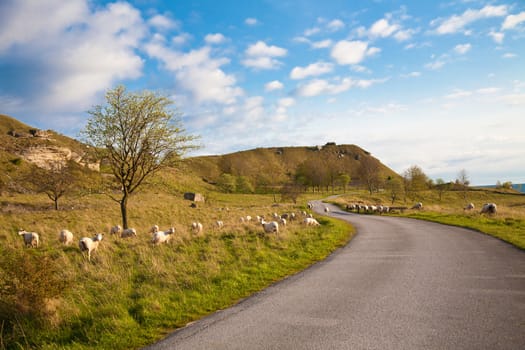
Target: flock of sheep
88	245
487	208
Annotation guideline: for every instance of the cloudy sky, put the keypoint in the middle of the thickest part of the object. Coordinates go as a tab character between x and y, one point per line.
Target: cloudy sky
438	84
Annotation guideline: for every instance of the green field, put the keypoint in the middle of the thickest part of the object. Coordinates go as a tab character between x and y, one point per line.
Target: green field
132	293
508	224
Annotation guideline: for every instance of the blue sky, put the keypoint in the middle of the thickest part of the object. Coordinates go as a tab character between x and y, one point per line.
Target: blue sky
438	84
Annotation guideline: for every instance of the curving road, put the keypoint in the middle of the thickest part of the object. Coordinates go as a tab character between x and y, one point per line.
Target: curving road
399	284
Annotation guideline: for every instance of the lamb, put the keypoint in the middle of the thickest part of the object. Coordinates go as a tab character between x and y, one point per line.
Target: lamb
196	227
418	206
311	222
31	239
162	236
90	244
271	226
115	230
65	237
129	232
489	208
469	206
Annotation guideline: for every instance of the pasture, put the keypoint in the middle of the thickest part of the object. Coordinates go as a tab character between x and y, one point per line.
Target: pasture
132	292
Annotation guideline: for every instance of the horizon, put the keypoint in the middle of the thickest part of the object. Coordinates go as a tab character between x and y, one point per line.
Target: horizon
438	85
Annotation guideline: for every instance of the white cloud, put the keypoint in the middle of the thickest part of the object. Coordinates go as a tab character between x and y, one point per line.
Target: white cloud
435	65
253	107
273	85
318	87
312	31
323	44
260	48
181	39
457	23
75	56
514	99
216	38
513	20
404	35
335	25
382	28
458	93
351	52
509	55
313	69
411	75
251	21
281	110
462	48
198	73
162	22
497	36
261	56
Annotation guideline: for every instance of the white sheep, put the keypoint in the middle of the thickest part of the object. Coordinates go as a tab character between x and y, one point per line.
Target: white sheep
418	206
282	221
311	222
220	223
31	239
469	206
162	236
153	229
90	244
489	208
326	209
65	237
271	226
196	227
129	232
115	230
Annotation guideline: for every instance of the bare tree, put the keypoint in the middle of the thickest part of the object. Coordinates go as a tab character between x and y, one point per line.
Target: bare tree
138	134
55	181
463	182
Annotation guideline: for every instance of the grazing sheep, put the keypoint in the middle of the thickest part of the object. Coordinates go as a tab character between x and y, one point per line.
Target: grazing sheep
418	206
65	237
282	221
162	236
89	245
31	239
326	209
469	206
311	222
115	230
310	205
220	224
153	229
489	208
271	226
292	216
196	227
129	232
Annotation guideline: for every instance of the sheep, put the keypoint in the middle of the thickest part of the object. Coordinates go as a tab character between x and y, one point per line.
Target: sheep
311	222
292	216
90	244
326	209
220	223
418	206
248	218
129	232
271	226
115	230
65	237
196	227
282	221
153	229
489	208
310	205
469	206
162	236
31	239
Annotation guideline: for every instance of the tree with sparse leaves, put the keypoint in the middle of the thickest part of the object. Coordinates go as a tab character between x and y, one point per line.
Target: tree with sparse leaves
55	181
139	134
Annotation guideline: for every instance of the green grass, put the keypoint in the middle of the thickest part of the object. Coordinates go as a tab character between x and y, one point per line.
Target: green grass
508	224
132	293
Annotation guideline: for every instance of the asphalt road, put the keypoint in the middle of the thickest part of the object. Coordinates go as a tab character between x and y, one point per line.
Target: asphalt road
399	284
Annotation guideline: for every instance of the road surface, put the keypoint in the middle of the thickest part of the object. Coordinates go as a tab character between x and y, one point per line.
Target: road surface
399	284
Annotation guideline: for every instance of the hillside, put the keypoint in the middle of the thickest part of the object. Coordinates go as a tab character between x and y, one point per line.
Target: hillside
23	146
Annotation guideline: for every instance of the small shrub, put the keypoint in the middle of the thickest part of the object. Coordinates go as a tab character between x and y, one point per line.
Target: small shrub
29	283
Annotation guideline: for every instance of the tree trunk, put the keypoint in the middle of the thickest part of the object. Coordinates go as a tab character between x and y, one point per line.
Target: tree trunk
56	204
124	211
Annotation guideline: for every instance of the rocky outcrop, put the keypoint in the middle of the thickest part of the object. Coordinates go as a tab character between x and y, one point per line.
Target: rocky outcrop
45	156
